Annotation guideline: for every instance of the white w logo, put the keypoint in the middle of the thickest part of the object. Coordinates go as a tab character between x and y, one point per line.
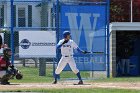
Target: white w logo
87	22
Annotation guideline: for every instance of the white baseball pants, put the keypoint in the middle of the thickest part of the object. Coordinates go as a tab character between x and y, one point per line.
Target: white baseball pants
63	62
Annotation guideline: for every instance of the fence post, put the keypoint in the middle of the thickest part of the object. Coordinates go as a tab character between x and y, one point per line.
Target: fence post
42	67
12	31
108	39
57	29
57	19
36	62
23	62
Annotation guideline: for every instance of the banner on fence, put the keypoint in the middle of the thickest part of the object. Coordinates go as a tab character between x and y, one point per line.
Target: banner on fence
88	29
37	44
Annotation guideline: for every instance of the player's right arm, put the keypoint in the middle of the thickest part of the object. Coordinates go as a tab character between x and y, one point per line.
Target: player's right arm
60	43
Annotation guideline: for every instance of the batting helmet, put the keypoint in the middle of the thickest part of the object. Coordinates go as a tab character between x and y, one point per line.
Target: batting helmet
66	33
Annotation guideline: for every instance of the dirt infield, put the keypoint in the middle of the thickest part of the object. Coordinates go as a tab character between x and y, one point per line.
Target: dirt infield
68	84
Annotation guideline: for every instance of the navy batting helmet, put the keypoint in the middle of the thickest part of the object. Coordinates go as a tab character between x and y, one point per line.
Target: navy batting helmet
66	33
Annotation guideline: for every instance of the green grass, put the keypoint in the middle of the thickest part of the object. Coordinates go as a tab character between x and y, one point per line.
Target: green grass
96	90
31	75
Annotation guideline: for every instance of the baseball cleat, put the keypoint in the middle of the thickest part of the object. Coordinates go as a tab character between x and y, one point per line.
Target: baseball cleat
80	82
55	82
5	83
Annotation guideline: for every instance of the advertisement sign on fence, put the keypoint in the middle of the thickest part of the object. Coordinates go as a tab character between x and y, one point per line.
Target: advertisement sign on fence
37	44
87	25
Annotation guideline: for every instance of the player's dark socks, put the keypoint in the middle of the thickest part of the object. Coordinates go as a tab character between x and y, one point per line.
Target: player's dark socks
79	76
55	78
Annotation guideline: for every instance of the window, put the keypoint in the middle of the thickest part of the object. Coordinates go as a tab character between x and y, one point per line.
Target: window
29	15
2	15
53	14
15	16
21	17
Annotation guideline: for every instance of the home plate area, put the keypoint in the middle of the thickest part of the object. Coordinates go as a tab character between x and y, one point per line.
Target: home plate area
71	84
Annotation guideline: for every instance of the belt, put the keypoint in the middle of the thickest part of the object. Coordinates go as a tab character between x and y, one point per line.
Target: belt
68	56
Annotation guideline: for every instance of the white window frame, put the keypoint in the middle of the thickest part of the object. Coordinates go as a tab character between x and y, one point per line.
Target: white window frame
26	14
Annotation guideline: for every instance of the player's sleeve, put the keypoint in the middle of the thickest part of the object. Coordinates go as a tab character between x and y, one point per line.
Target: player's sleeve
75	46
59	45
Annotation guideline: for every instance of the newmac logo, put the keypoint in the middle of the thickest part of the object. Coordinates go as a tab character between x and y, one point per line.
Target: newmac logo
25	43
87	23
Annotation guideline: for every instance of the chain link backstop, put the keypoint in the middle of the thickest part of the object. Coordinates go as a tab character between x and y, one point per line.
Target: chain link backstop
56	15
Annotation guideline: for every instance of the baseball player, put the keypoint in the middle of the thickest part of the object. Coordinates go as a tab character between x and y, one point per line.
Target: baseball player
67	46
5	73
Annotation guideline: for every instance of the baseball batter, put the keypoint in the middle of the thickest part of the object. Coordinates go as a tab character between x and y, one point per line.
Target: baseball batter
67	46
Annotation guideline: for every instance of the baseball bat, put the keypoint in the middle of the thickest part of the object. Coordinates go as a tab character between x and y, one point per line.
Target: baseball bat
95	52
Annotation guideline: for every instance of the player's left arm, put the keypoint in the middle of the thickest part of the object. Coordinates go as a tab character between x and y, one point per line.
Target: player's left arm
78	49
81	51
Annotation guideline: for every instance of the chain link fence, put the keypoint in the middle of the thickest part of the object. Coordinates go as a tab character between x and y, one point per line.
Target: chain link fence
37	15
28	15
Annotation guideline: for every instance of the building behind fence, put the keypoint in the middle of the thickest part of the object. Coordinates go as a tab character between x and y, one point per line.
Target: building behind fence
29	15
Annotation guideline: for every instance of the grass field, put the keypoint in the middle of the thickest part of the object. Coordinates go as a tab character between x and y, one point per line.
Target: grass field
31	75
96	90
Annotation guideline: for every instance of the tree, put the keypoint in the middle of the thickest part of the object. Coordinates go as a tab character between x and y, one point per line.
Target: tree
120	11
136	10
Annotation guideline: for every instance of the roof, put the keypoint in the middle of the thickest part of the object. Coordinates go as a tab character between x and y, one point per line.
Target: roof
128	26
